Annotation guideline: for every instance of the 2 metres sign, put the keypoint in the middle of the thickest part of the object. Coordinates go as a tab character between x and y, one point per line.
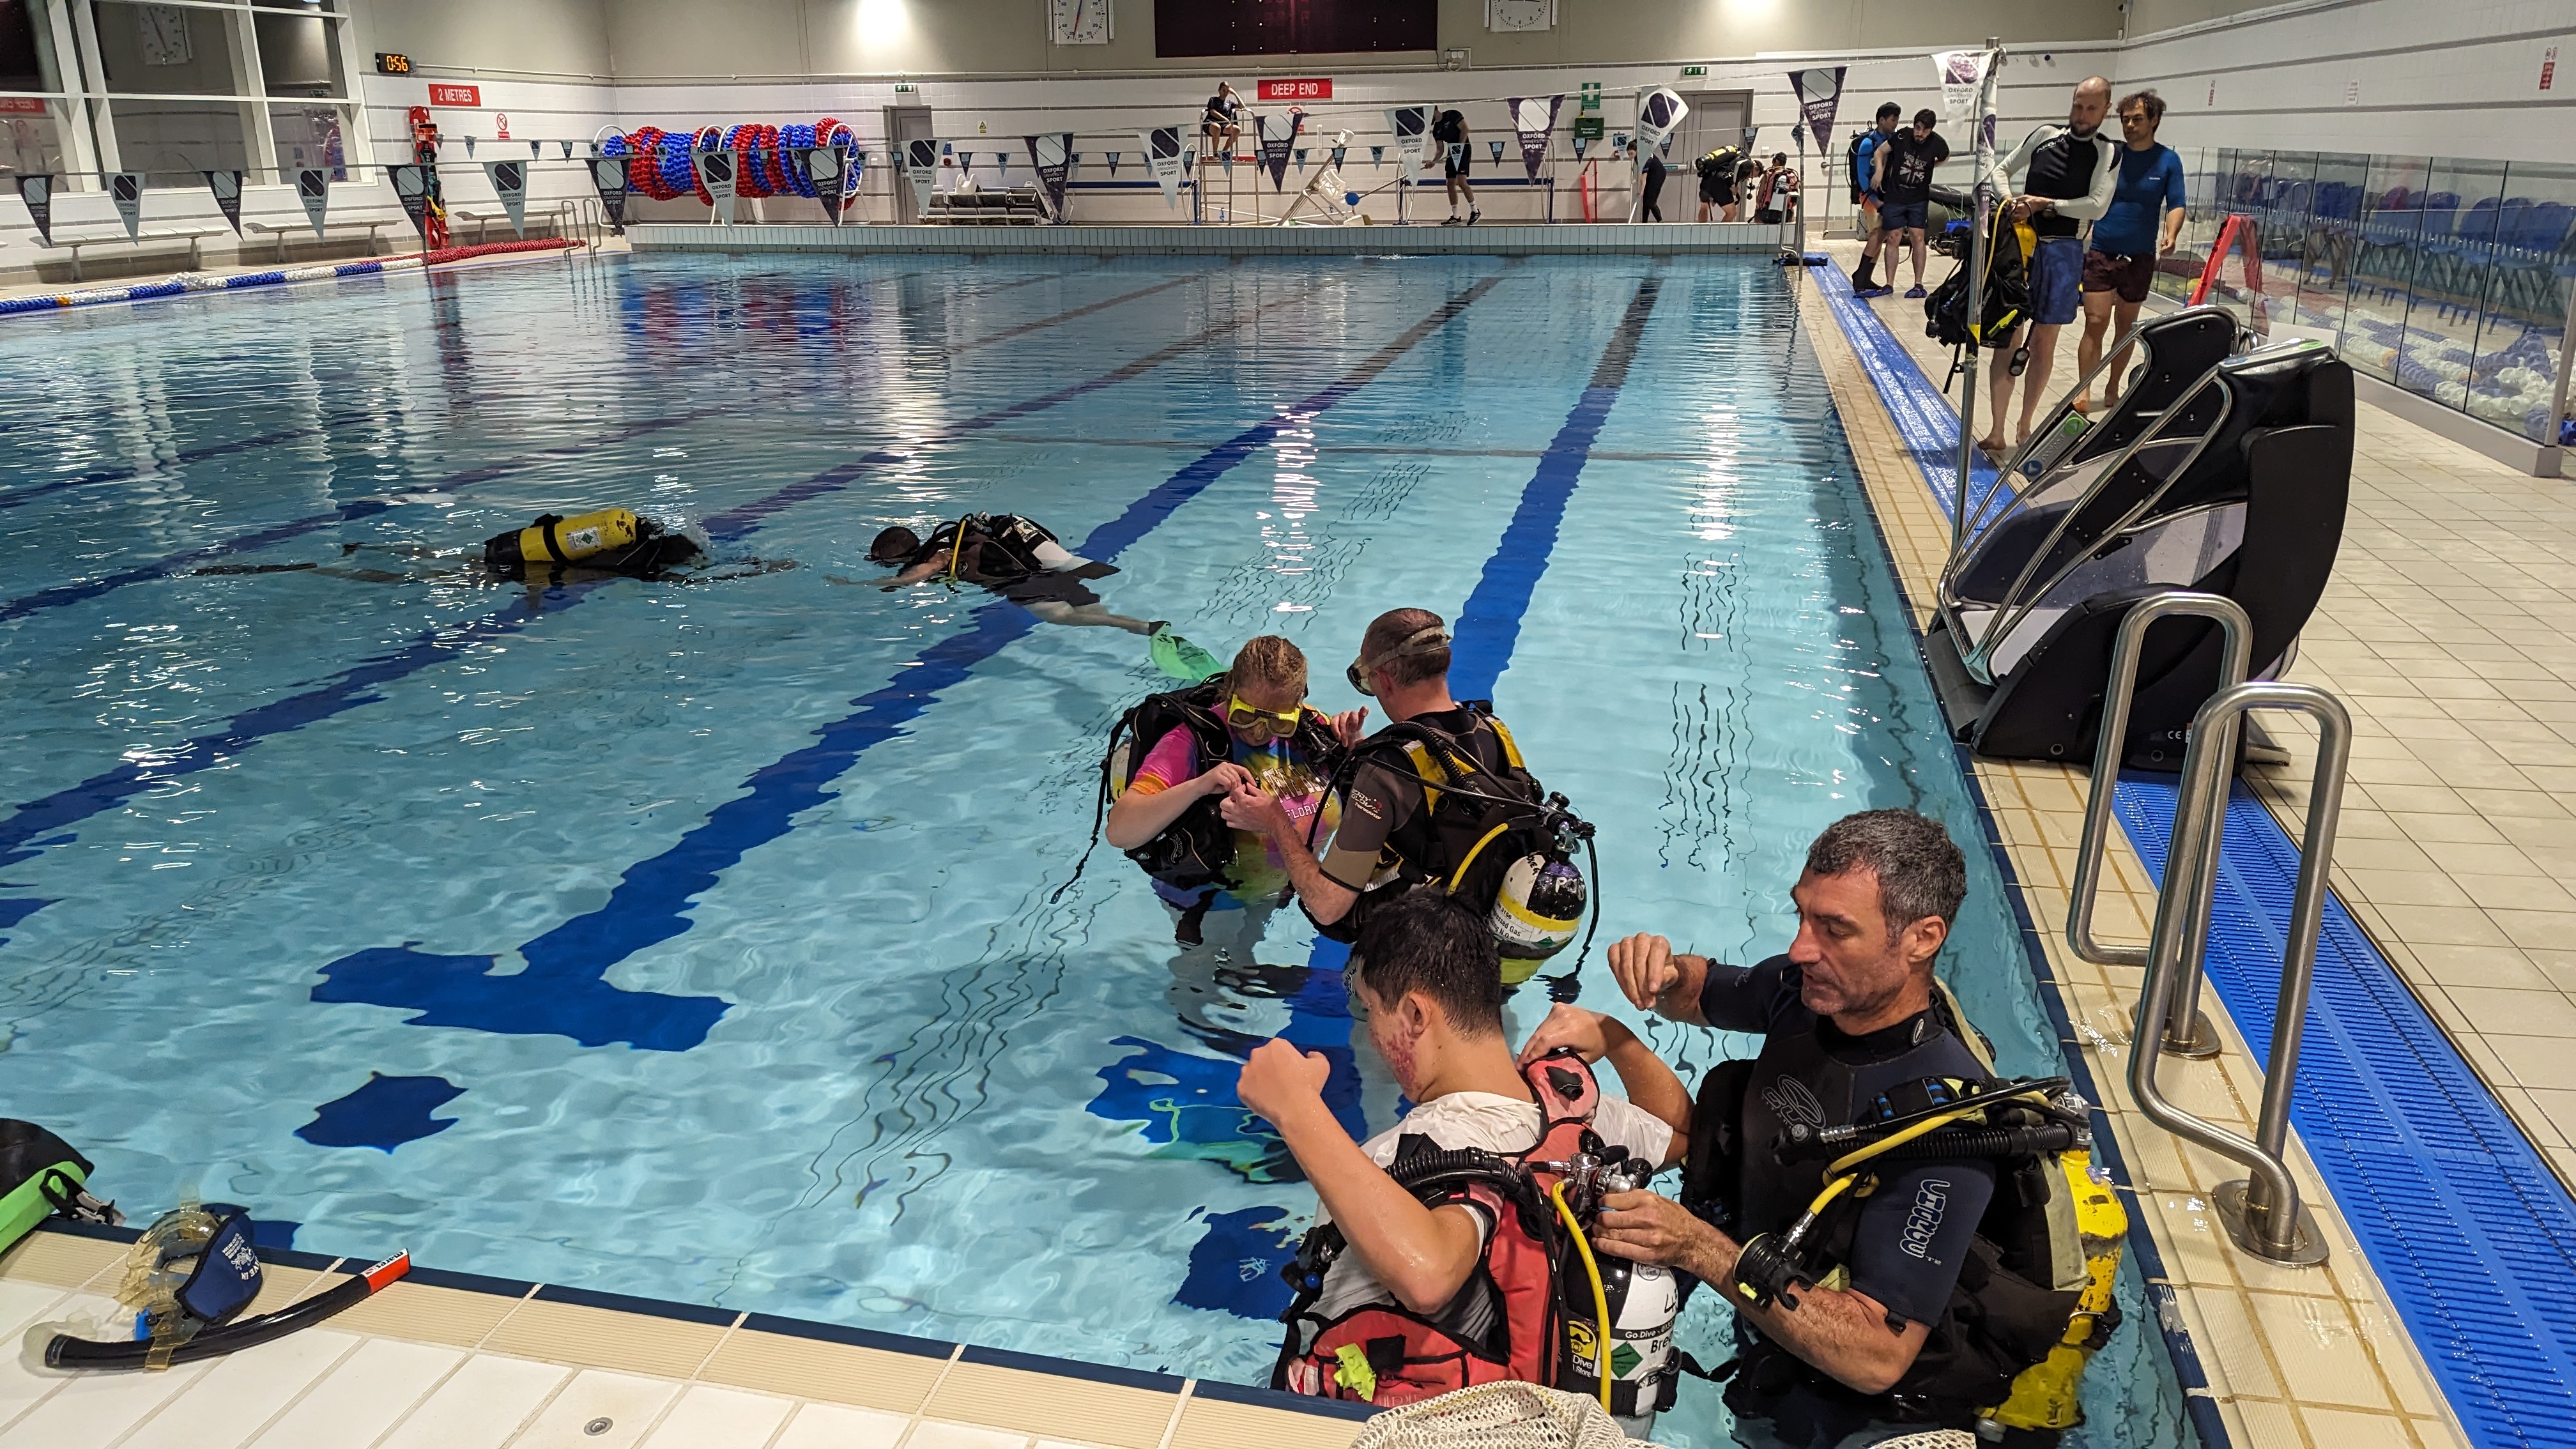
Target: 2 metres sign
455	95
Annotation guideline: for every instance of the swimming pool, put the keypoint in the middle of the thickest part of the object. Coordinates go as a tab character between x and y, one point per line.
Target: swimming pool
722	942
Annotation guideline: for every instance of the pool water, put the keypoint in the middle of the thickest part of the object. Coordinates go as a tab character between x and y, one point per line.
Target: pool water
722	941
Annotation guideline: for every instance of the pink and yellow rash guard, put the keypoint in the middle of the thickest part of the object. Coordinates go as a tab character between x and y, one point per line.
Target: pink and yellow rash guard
1259	875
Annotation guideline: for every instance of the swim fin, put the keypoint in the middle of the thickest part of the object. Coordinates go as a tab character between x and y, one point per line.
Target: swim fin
1180	658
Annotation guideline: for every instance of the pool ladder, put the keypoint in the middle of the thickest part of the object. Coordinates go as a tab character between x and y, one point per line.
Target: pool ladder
2262	1212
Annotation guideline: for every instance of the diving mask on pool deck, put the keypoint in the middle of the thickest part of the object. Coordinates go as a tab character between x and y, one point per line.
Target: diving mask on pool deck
194	1269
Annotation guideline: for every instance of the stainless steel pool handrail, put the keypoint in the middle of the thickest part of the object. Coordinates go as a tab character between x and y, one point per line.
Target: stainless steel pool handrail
2262	1212
2188	1033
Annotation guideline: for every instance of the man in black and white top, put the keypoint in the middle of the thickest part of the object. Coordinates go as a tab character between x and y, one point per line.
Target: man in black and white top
2068	175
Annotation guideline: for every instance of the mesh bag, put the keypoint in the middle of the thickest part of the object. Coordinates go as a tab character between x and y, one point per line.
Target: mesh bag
1495	1416
1931	1439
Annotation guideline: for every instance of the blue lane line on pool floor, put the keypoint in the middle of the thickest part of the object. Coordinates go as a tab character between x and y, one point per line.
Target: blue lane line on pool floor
61	595
1319	1020
2471	1232
360	684
564	990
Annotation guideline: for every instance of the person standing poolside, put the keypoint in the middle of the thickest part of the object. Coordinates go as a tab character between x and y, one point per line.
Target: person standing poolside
1653	206
2142	225
2069	172
1864	164
1904	163
1457	158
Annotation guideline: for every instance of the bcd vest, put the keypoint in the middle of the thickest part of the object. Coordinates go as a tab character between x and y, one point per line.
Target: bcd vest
2033	1297
1194	852
1451	830
1383	1352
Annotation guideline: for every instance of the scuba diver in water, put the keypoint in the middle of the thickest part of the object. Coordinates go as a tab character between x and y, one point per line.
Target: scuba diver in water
1176	756
1445	1248
1907	1241
1437	797
552	549
1015	558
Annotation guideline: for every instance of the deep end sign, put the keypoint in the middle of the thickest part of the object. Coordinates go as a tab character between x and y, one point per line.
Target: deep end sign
1316	89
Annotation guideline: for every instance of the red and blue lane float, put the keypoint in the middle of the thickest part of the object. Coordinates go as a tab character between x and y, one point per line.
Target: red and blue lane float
659	163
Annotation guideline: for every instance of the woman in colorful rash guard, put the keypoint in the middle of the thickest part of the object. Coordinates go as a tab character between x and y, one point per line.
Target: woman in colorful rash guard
1259	703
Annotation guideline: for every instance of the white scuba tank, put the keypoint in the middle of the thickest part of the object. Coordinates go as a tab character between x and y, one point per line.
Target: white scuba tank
1645	1301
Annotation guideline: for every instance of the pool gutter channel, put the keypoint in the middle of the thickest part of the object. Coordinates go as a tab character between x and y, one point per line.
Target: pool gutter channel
1892	378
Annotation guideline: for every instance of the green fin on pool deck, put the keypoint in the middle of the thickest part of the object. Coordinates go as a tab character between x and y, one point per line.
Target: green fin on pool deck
1180	658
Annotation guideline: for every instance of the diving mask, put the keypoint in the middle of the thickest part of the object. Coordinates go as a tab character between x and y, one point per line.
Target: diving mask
1244	720
1421	641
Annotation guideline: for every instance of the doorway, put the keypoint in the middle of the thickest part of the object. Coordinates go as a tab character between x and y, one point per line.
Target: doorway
904	124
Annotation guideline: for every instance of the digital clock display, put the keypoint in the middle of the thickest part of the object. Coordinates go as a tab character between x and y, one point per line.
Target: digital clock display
388	63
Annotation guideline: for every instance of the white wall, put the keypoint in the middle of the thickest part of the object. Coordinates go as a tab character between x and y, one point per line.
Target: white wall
676	39
2394	77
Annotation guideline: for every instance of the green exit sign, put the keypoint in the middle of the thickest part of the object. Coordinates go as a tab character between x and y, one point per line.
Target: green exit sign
1691	71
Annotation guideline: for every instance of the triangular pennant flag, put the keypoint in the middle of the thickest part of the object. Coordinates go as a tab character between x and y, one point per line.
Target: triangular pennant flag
1113	163
227	185
1411	128
921	164
1338	153
125	188
38	193
1497	148
537	149
313	188
966	162
716	174
567	149
1005	158
1580	141
1301	158
1275	146
1377	155
608	177
1166	159
1228	158
822	166
1053	157
1534	122
469	146
411	187
510	183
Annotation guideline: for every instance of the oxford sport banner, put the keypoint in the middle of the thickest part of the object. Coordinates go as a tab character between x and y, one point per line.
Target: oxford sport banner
1163	158
510	183
1534	121
227	185
1053	157
1276	140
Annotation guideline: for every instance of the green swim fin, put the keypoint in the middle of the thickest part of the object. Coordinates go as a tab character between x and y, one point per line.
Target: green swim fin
1180	658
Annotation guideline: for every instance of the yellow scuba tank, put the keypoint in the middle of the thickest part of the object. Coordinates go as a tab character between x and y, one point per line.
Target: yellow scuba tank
566	540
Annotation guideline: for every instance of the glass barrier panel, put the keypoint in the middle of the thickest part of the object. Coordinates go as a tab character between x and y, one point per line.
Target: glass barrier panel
2180	270
2458	208
2333	238
2289	190
2531	271
173	143
2390	216
162	50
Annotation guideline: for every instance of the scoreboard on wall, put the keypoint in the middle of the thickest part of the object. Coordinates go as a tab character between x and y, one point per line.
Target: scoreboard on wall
1286	27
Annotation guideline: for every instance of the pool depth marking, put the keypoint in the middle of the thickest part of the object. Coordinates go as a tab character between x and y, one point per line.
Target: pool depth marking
2419	1173
60	595
356	686
564	990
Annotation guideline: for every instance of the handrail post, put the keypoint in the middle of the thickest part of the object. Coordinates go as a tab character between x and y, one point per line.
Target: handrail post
2262	1211
2188	1033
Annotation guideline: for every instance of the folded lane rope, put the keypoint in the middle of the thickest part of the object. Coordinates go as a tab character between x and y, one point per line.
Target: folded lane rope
186	282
